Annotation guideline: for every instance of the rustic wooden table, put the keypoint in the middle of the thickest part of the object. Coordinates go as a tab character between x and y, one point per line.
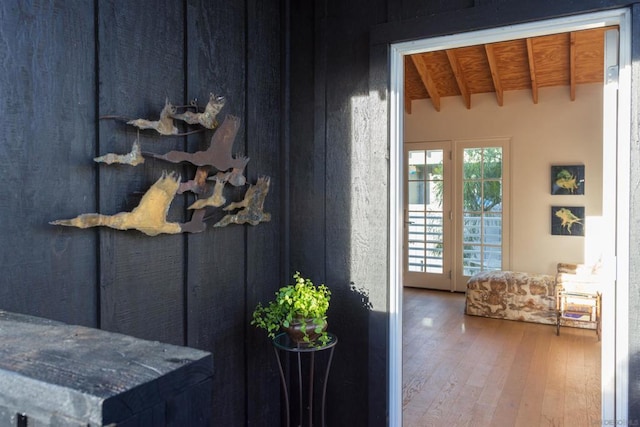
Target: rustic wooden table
52	373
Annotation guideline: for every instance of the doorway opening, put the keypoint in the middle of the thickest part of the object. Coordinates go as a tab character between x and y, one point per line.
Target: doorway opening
615	173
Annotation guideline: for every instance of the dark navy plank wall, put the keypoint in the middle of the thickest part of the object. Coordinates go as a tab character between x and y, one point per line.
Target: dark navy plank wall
216	260
339	179
64	64
47	109
140	64
309	82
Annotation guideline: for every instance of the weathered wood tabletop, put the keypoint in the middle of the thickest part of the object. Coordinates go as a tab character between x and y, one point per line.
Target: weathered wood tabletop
58	374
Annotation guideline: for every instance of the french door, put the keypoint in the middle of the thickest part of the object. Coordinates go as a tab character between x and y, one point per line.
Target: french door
455	221
481	214
427	215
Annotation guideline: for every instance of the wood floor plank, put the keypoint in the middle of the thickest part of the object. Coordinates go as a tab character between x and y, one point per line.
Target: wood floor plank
592	381
554	395
511	394
415	382
471	371
505	347
480	415
575	403
460	408
530	410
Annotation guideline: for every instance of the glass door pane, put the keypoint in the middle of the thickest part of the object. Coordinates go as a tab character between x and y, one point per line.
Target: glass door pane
482	209
425	212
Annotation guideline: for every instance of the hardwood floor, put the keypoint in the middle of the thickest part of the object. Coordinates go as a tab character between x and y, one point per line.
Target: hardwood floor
463	370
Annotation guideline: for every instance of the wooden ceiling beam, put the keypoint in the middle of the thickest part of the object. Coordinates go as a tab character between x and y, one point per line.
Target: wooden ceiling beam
407	103
558	60
427	80
572	66
493	66
532	71
459	75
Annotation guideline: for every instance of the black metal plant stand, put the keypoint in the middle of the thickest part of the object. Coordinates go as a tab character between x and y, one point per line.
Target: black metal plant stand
282	342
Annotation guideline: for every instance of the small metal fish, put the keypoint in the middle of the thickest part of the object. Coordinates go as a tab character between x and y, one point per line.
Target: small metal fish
133	158
207	118
164	126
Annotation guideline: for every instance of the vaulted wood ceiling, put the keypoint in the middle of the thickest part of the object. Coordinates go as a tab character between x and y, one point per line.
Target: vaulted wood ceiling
566	59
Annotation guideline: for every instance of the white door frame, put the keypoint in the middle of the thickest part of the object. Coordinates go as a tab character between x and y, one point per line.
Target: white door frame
615	330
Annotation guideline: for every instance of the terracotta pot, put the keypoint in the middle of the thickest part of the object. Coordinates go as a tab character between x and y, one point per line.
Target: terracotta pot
297	328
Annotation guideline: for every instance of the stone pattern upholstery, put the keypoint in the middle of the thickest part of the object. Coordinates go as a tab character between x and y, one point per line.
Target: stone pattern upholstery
512	295
527	297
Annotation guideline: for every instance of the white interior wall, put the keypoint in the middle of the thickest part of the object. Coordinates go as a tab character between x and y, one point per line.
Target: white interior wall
554	131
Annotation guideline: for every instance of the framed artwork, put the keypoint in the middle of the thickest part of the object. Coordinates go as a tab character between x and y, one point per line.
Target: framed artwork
567	220
567	179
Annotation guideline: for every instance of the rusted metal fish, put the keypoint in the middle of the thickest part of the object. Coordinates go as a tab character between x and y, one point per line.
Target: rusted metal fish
149	217
133	158
252	206
207	118
218	155
216	199
164	126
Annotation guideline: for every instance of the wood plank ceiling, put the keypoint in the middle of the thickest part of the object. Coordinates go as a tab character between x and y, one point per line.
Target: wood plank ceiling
566	59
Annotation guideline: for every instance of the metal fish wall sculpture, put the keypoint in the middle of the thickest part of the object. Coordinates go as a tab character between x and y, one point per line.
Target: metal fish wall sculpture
150	216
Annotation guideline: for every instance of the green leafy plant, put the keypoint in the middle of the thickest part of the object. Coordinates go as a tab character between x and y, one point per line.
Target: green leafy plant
299	302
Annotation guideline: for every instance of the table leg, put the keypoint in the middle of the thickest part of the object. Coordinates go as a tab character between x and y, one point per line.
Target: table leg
311	366
300	388
284	387
324	388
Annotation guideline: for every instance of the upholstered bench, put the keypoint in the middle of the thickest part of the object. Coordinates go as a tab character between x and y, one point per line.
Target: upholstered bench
529	297
512	295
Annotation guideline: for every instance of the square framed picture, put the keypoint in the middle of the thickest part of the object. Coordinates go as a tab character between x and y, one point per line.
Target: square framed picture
567	220
567	179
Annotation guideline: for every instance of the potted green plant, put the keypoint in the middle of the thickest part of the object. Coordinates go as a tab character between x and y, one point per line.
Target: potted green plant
299	308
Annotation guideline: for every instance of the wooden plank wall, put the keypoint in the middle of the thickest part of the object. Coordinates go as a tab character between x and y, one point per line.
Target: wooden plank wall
48	102
141	279
339	198
339	175
63	65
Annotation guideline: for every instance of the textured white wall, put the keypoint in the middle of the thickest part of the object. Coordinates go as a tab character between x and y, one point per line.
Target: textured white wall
554	131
